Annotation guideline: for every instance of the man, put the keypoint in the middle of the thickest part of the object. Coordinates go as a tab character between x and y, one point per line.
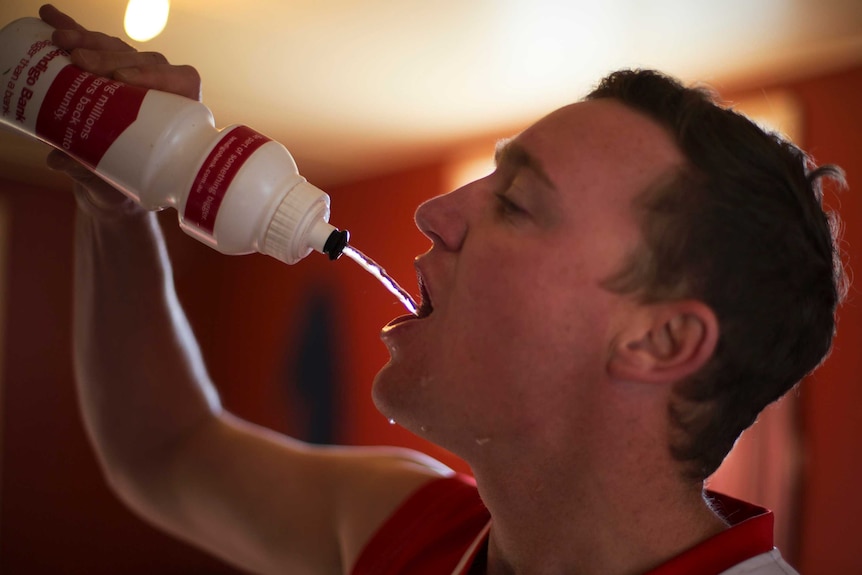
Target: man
601	317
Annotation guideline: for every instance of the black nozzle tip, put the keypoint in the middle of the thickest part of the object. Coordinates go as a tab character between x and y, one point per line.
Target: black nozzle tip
335	243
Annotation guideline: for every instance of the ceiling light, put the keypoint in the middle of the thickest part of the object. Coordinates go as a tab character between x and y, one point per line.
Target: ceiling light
145	19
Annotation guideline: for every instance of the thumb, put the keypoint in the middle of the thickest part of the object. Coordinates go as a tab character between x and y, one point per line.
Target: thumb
93	194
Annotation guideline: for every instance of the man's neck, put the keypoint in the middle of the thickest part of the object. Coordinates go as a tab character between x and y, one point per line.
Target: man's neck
549	523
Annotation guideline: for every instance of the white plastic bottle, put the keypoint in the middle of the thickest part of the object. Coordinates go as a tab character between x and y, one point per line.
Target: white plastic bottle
234	189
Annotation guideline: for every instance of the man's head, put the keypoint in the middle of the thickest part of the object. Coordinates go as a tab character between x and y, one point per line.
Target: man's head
741	228
609	242
514	355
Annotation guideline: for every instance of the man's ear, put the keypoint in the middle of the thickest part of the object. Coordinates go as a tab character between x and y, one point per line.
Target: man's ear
664	342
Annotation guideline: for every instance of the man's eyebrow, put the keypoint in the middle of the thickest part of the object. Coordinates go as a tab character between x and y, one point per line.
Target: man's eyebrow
512	154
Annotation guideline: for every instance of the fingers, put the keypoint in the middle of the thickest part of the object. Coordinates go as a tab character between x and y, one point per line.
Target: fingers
110	56
75	39
93	195
61	162
146	69
58	19
182	80
70	35
106	62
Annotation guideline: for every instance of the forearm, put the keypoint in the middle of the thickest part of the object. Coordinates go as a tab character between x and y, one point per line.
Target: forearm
141	380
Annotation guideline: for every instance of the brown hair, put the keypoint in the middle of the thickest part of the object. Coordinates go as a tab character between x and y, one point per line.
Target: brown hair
741	228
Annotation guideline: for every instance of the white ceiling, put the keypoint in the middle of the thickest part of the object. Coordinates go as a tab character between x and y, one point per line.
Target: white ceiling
355	88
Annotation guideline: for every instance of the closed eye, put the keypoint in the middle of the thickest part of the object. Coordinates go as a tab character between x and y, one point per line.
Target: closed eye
506	207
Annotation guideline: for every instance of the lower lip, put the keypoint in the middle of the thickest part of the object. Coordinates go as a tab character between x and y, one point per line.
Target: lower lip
401	319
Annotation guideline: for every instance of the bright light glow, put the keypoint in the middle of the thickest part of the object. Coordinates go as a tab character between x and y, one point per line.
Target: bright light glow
470	165
145	19
775	110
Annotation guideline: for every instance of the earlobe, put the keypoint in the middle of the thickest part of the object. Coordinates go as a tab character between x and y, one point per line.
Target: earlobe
665	343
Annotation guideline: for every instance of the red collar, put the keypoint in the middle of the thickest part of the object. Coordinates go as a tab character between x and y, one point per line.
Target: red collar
444	524
750	534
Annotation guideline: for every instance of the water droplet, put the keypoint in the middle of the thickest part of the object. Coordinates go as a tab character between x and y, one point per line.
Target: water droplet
391	421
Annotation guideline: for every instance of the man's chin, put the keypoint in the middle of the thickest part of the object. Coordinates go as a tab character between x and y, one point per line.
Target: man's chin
392	391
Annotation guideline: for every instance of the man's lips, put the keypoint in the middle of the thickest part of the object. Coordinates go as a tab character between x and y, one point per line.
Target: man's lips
399	320
425	307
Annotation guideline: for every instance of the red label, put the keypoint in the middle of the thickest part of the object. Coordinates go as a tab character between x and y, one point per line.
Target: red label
83	114
216	174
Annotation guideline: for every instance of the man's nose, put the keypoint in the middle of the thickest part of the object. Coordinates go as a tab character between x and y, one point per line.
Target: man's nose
443	219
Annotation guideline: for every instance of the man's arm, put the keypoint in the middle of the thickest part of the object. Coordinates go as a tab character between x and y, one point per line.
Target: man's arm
259	500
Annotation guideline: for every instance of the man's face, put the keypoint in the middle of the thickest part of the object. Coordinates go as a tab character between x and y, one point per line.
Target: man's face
517	344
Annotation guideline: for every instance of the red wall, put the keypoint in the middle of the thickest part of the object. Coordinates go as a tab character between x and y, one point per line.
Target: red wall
832	504
57	516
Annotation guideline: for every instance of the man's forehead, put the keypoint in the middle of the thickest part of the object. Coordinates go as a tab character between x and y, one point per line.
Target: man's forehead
596	118
601	138
510	154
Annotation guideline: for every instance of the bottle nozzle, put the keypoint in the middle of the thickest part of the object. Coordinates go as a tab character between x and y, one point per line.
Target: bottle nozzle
335	243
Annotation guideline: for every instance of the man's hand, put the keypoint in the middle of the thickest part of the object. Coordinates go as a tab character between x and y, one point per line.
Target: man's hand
109	56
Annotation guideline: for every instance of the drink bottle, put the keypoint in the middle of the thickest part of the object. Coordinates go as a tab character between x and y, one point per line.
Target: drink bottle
234	189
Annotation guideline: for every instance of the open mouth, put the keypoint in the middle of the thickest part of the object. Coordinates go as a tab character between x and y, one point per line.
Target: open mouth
425	307
423	310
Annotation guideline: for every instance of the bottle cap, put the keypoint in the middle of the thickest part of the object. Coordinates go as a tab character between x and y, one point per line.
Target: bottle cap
335	243
299	224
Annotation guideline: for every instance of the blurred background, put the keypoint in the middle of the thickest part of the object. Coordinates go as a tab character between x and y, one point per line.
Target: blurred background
384	104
